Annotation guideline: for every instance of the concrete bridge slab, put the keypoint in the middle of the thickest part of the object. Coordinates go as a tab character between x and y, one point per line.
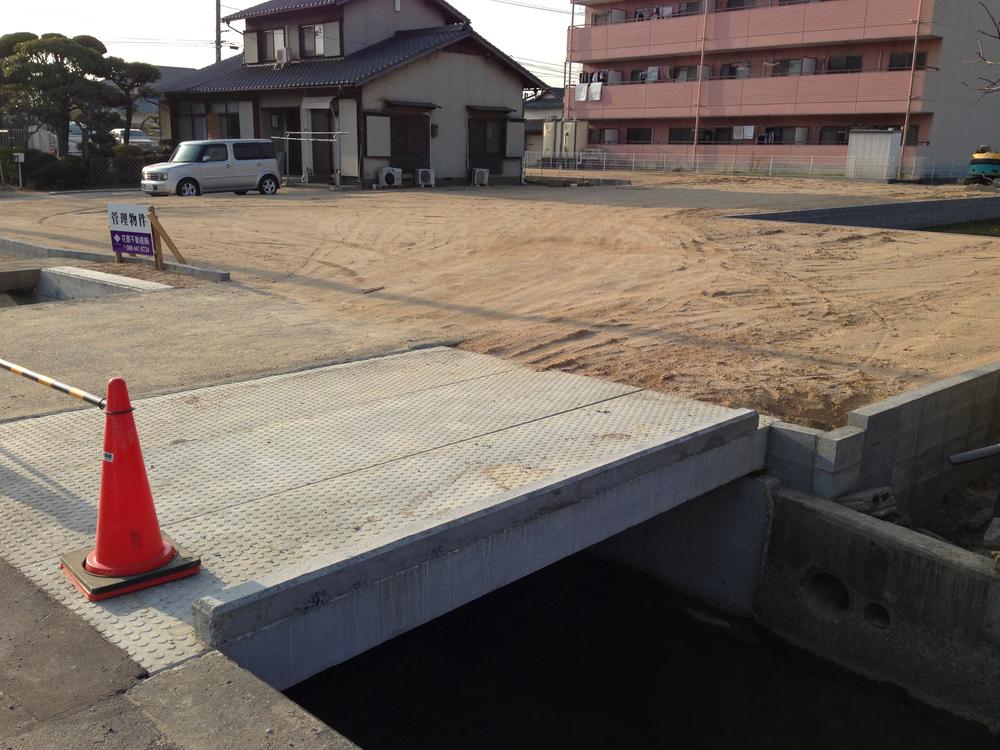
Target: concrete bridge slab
337	507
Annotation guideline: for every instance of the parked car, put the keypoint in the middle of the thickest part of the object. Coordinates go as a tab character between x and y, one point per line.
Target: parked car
215	166
75	139
135	138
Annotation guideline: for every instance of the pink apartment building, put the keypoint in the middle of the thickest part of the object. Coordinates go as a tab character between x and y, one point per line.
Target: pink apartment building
766	77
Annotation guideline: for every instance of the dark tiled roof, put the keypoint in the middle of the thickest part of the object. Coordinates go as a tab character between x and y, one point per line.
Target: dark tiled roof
549	99
534	126
352	70
286	6
355	69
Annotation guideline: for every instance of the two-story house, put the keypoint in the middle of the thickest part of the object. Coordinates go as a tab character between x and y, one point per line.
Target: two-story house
348	87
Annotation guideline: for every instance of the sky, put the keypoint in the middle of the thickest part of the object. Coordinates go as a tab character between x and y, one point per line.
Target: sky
182	32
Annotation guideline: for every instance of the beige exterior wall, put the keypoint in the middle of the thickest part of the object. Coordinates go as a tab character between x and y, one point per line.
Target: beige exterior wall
960	124
452	81
371	21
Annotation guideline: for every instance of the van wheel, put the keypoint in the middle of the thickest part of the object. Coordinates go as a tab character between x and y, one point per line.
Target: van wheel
268	185
188	187
240	192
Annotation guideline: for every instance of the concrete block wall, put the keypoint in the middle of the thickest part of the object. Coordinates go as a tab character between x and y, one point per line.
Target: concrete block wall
908	438
904	215
826	464
903	442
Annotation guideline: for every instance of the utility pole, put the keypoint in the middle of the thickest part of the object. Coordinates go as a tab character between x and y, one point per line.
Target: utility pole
218	31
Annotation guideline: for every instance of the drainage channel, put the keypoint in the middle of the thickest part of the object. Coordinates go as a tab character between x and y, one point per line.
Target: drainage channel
29	286
586	654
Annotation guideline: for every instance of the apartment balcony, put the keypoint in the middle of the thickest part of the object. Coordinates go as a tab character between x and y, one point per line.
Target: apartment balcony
840	94
829	22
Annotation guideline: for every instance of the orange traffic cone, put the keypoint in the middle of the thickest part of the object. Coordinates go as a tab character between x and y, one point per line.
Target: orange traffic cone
130	553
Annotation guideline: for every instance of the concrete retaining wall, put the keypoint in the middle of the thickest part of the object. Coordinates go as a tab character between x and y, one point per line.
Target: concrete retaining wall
908	215
69	282
711	549
885	602
19	249
902	442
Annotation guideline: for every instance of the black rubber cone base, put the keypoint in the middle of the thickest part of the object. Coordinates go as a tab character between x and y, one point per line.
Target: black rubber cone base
96	588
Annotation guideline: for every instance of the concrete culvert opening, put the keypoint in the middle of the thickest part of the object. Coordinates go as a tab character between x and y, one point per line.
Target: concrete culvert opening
827	593
877	615
33	285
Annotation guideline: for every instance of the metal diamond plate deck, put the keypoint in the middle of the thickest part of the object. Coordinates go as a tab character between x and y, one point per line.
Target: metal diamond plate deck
272	473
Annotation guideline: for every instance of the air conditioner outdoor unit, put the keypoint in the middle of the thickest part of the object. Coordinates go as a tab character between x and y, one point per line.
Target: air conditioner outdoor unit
282	55
390	177
425	178
480	177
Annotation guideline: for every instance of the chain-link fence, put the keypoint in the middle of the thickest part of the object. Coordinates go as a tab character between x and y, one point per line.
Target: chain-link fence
826	166
119	171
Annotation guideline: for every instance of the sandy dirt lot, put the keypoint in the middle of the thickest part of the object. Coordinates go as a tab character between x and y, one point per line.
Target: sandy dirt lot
649	284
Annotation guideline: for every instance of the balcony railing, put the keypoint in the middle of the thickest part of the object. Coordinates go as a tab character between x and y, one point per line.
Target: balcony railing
843	93
761	26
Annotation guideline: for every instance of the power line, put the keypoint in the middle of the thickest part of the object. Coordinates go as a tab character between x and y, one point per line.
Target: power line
533	7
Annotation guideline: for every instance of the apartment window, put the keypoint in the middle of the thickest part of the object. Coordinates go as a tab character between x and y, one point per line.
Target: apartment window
844	64
637	76
705	135
604	136
686	73
785	135
904	60
688	9
604	18
269	41
680	135
735	70
797	67
722	135
311	40
834	135
736	4
638	135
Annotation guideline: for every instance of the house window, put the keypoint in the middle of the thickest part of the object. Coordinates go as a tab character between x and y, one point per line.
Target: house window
191	121
410	142
270	41
904	60
311	40
638	135
487	143
223	120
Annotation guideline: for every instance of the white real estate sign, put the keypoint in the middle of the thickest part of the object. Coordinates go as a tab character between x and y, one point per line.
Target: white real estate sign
131	230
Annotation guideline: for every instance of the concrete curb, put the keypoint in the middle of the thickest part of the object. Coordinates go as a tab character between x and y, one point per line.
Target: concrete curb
908	215
26	250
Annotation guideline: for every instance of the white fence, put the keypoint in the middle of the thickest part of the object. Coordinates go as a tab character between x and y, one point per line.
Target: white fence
747	163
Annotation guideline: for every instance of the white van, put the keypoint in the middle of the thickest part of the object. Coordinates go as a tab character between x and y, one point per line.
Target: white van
216	166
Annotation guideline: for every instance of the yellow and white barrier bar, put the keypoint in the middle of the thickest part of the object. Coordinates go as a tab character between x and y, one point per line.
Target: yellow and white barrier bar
69	390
